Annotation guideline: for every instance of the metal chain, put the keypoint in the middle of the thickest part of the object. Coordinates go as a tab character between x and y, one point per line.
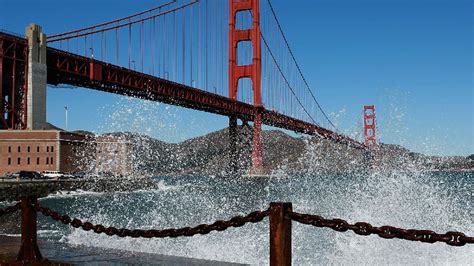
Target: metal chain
362	228
202	229
10	209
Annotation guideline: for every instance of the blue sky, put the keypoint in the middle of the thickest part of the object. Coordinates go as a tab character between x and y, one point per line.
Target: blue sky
412	59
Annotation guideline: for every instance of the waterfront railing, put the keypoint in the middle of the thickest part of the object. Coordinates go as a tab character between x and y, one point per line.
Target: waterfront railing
281	216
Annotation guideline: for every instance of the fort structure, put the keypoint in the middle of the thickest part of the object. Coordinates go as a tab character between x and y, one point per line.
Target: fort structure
42	150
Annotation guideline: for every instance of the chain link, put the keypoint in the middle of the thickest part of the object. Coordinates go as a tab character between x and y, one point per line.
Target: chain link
202	229
361	228
10	209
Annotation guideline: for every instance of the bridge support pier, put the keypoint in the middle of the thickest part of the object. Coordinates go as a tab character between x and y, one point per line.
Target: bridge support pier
13	82
233	156
36	100
257	160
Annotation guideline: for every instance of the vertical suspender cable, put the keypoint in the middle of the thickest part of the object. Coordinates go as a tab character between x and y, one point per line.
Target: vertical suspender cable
175	50
164	48
129	45
152	46
183	47
206	43
116	47
221	48
102	46
214	43
199	47
158	44
105	46
142	48
191	44
92	46
216	47
168	49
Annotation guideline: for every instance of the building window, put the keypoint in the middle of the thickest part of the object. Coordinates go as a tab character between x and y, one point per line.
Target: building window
38	149
52	148
19	160
9	148
9	161
28	161
38	161
47	149
28	148
47	160
51	160
19	149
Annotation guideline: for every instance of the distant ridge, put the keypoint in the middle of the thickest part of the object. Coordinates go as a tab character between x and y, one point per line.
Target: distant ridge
209	155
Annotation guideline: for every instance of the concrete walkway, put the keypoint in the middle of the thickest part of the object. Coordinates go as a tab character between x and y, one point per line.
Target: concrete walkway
61	254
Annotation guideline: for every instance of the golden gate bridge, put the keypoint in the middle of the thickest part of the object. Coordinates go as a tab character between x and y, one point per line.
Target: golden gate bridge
230	58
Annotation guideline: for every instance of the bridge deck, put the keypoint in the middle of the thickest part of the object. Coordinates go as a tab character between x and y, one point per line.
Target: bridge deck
68	68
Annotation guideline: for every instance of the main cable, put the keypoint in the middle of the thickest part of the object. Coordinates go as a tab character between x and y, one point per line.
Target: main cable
296	63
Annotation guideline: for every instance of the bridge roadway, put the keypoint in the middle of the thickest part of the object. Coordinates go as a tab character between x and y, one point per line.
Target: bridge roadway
71	69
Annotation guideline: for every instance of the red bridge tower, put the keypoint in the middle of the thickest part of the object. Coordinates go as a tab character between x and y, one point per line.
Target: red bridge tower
253	71
370	138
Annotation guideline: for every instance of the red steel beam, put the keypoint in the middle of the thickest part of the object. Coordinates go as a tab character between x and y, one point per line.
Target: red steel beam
13	81
68	68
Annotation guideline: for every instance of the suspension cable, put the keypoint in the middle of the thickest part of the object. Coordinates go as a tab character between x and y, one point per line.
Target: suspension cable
297	65
128	23
111	22
285	79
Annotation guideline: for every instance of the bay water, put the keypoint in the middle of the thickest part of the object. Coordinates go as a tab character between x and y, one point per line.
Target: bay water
440	201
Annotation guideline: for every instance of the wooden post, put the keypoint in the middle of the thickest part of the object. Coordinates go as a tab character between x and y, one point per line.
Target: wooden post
280	234
29	251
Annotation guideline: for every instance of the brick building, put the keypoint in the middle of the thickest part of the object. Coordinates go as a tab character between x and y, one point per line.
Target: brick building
43	150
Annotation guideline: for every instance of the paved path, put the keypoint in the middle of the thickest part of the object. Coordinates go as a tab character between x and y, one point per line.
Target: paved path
67	255
12	189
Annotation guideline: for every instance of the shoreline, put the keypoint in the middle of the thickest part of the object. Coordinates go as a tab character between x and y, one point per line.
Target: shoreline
12	190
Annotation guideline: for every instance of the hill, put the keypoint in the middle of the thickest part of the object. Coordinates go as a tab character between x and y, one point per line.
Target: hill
210	155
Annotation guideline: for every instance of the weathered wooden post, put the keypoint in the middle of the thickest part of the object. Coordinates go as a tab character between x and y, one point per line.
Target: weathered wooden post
29	251
280	234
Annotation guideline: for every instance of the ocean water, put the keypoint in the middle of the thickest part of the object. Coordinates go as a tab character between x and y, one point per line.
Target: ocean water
437	201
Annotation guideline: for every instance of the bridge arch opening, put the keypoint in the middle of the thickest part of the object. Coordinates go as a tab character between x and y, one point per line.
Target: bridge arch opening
245	90
243	20
244	53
